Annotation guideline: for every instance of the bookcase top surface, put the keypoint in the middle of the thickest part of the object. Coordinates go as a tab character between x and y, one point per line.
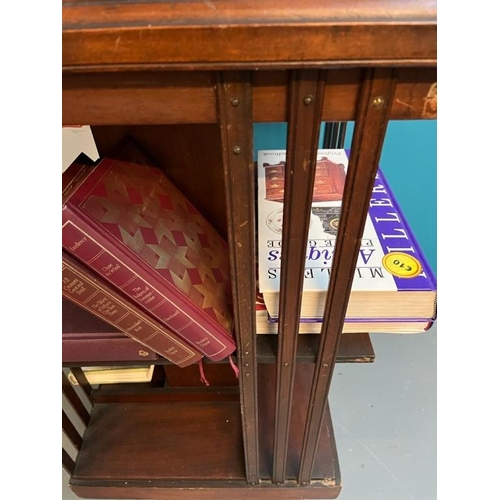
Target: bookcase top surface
215	34
105	13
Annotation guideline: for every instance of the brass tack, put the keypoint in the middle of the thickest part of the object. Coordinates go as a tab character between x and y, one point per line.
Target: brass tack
378	102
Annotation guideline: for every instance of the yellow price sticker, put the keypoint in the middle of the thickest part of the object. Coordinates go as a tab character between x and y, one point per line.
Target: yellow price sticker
402	264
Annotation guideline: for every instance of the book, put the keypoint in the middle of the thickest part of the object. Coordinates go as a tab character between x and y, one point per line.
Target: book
97	297
392	280
88	339
125	220
97	375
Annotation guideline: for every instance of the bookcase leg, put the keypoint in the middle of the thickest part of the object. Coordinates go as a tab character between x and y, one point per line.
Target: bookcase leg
234	94
305	103
370	126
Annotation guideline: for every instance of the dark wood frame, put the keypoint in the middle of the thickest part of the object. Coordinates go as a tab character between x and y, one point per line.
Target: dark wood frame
183	77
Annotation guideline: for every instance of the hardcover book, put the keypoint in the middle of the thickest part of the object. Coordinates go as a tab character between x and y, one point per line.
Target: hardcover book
125	220
97	375
88	339
392	281
98	298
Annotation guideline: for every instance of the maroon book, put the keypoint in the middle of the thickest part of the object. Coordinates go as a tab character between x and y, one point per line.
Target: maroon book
88	339
126	221
98	298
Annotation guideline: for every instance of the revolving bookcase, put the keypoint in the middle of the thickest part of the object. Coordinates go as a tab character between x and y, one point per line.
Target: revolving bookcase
187	80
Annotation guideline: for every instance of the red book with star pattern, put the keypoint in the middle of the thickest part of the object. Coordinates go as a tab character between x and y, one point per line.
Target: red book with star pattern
125	220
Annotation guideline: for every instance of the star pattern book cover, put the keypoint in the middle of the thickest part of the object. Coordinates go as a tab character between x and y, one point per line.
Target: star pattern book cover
127	221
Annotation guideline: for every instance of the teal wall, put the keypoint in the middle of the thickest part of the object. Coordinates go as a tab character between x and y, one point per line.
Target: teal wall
409	162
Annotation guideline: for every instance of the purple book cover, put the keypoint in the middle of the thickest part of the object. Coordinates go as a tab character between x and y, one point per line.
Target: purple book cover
86	338
100	299
127	222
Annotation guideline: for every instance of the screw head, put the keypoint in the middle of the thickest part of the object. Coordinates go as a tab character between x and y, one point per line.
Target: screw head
235	102
308	99
378	102
236	150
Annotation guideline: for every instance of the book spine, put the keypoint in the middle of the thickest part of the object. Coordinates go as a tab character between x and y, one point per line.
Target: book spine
101	300
85	242
98	350
395	235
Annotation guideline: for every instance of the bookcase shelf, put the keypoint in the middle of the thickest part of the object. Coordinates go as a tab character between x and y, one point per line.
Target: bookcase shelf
353	348
187	80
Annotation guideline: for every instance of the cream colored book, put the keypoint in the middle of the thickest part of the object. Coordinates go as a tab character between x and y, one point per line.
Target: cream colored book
115	374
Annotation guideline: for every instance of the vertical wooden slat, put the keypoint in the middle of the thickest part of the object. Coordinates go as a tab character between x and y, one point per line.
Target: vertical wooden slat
334	136
304	116
82	380
67	462
330	135
234	92
71	432
371	122
74	400
341	139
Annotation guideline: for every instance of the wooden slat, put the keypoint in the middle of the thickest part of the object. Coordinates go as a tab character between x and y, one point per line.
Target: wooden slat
334	137
67	462
305	104
74	400
371	123
342	131
82	380
326	465
71	432
234	93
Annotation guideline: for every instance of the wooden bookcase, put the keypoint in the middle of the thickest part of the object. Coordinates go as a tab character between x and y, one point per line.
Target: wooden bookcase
188	80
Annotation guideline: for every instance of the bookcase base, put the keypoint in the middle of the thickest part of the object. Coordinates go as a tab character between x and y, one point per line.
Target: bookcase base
194	449
225	491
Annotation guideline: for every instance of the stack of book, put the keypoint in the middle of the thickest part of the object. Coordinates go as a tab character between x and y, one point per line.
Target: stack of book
141	260
145	275
393	290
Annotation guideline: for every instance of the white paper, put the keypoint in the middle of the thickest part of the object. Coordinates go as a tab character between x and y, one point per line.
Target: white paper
76	140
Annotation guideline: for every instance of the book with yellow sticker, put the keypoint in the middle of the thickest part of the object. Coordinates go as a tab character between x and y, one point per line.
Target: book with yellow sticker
126	221
392	281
